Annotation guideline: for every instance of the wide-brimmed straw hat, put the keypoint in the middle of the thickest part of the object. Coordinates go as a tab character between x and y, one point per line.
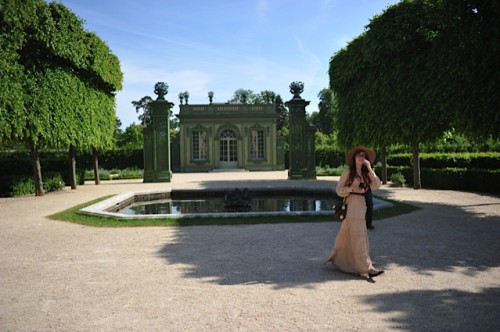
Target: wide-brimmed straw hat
370	154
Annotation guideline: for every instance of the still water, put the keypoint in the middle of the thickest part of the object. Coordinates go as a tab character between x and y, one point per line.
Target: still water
214	205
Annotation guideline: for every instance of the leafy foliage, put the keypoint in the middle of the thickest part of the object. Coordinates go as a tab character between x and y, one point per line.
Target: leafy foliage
143	104
15	186
403	80
420	68
283	115
247	96
132	138
57	81
327	108
398	180
244	96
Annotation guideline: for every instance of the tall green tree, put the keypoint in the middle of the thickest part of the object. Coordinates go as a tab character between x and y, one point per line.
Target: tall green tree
401	81
244	96
132	137
283	115
143	105
62	77
466	63
247	96
265	97
326	110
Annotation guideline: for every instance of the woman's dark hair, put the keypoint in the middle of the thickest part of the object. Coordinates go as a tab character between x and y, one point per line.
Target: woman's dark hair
352	172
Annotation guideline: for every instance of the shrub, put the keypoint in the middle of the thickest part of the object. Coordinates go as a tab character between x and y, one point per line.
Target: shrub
89	175
131	173
329	171
397	180
80	175
22	186
128	173
103	175
52	182
14	186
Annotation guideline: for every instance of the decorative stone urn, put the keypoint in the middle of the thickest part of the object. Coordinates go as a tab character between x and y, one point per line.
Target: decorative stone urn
296	88
161	89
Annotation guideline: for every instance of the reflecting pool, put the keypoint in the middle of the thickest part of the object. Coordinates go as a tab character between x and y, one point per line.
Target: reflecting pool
217	205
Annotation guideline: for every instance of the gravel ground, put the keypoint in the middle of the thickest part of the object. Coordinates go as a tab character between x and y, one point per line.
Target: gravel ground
442	267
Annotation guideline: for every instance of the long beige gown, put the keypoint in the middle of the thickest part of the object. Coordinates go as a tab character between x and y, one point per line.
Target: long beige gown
351	252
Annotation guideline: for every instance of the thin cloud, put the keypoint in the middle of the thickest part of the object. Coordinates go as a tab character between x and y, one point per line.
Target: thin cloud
262	9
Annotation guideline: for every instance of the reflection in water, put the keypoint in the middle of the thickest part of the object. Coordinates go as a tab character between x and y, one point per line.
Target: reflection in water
211	205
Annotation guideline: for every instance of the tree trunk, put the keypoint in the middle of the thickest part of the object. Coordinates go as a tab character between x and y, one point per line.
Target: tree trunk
384	165
416	167
97	180
72	167
37	170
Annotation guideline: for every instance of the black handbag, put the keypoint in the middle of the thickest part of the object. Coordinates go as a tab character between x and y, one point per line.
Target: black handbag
340	210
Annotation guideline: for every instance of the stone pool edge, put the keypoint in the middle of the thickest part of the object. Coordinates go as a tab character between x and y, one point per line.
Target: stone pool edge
105	208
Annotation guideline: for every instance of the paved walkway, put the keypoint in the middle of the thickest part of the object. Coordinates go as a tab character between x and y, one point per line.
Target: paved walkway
442	267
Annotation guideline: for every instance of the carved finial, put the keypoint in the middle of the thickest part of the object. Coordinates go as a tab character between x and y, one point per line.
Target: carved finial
161	89
210	96
296	88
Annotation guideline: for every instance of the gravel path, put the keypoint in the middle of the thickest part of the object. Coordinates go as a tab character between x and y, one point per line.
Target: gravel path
442	267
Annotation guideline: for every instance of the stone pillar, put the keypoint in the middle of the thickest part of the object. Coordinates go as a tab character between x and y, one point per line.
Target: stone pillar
157	164
302	162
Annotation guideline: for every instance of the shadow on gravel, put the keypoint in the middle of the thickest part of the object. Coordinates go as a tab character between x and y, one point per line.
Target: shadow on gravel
437	237
441	310
292	255
434	238
284	255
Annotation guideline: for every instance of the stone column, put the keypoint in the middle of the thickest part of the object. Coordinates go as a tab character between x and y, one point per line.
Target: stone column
157	164
301	137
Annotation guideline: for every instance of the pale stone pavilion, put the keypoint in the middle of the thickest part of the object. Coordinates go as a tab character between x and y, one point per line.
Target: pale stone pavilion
229	136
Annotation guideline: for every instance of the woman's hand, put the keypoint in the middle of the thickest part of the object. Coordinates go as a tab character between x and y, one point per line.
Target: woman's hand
358	190
366	162
371	172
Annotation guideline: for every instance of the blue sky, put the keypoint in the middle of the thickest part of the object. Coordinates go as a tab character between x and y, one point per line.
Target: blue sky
223	45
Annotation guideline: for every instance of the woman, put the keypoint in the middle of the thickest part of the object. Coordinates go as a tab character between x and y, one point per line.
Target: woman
351	250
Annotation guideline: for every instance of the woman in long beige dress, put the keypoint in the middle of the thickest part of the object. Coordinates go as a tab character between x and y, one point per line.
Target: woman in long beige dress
351	250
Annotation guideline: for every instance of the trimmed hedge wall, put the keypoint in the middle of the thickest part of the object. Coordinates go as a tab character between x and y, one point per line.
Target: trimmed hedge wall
19	163
459	171
480	160
329	156
477	180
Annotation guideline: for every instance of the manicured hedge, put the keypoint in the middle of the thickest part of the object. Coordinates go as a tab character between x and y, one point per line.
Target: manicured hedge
459	171
477	180
329	156
19	163
21	185
479	160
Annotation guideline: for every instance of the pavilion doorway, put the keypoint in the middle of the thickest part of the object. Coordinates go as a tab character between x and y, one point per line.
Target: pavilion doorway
228	149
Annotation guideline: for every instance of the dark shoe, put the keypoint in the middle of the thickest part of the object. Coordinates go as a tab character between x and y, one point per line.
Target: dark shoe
375	273
329	261
370	227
